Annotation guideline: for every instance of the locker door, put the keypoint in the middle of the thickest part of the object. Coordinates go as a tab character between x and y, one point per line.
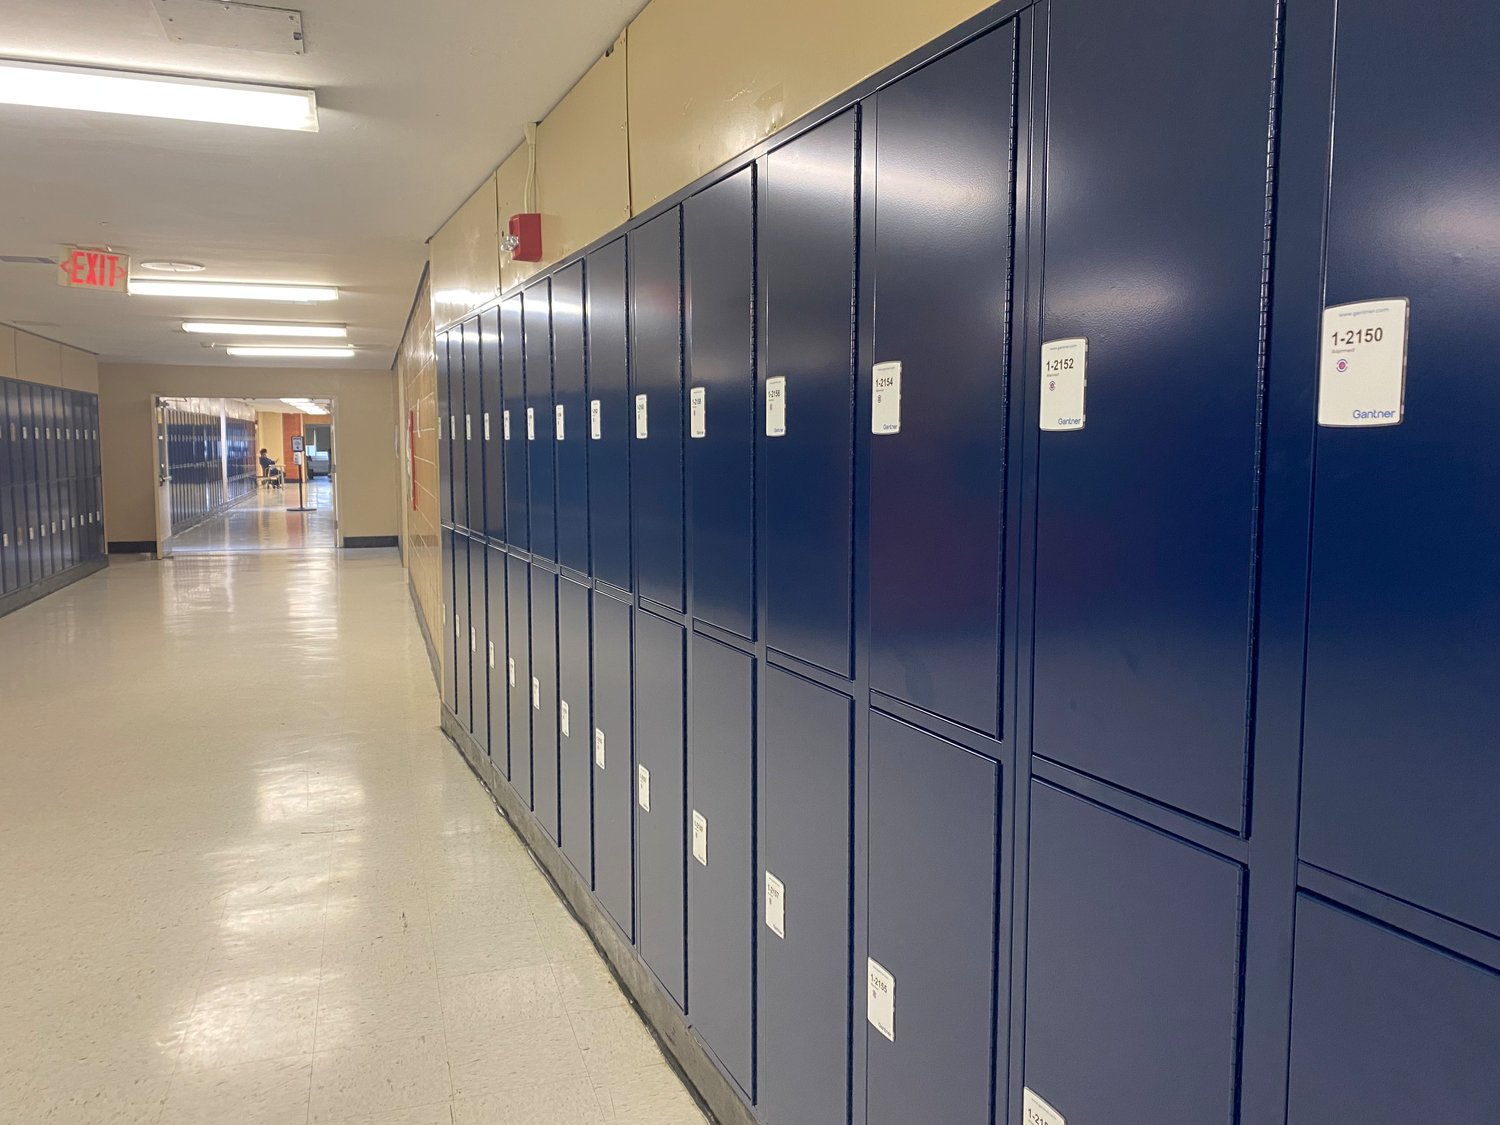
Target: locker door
445	428
8	547
802	1011
478	641
495	658
518	673
656	372
447	638
614	763
661	819
937	496
540	438
490	425
574	729
933	852
513	425
474	427
721	872
609	388
571	424
1404	605
31	442
806	270
1387	1030
1132	980
461	624
544	699
718	233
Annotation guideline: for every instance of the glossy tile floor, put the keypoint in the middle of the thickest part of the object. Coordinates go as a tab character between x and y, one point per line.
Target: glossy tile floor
262	523
245	879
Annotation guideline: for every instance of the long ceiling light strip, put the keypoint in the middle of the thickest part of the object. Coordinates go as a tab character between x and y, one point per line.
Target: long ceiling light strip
305	406
136	94
233	328
229	290
267	352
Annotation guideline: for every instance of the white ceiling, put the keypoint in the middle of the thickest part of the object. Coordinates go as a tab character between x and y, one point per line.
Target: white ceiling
417	102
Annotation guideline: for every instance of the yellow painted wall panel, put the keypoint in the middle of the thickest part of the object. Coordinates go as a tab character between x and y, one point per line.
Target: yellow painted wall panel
7	352
416	374
38	360
79	369
583	160
710	78
466	257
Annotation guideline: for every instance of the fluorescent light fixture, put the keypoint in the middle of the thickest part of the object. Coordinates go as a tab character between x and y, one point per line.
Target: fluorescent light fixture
232	328
157	95
288	353
231	290
306	406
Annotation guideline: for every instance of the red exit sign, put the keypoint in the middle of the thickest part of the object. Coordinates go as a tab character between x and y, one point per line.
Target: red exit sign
93	269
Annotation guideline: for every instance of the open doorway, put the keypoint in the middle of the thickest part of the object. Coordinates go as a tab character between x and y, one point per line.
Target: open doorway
247	474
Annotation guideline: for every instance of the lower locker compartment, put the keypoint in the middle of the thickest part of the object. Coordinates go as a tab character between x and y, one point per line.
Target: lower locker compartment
721	867
544	699
518	674
613	759
497	648
574	729
660	812
803	987
1387	1030
930	975
1133	968
462	697
478	640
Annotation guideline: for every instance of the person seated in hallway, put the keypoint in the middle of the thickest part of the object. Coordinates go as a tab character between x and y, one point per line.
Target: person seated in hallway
269	470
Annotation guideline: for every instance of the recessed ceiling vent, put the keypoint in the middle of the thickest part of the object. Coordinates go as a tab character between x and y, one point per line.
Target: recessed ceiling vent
237	27
26	260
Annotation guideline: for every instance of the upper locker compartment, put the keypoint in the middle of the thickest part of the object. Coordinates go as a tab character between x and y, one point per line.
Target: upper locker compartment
1402	714
473	427
806	274
570	419
489	425
513	425
611	417
656	376
1155	250
718	235
939	261
538	422
445	427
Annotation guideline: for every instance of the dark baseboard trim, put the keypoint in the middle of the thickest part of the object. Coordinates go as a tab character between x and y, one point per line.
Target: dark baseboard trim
715	1092
132	546
432	656
17	599
354	541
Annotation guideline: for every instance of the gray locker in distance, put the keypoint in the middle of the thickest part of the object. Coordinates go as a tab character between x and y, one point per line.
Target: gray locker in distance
614	780
543	690
518	673
574	729
933	855
1132	980
721	867
499	646
803	999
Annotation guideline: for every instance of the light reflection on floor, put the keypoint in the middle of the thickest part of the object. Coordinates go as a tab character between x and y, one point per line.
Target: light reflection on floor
262	522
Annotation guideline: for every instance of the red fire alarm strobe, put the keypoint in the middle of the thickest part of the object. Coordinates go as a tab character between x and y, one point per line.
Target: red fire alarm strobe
526	229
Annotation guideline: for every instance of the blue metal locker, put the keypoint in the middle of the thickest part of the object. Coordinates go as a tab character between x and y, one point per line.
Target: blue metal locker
656	381
478	642
574	729
660	813
1387	1030
718	252
461	596
513	425
805	268
803	998
493	402
445	640
1145	525
940	255
8	547
571	424
445	428
721	871
1400	770
544	699
468	500
612	753
1132	975
933	856
609	388
518	672
474	407
497	650
539	420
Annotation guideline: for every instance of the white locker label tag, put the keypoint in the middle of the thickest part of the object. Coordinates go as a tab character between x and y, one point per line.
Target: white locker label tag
775	905
531	423
473	641
559	413
452	427
776	407
468	427
536	694
885	405
1034	1111
505	424
596	428
562	717
598	748
1362	370
881	1007
640	417
700	837
643	787
492	654
698	402
1064	380
486	425
510	670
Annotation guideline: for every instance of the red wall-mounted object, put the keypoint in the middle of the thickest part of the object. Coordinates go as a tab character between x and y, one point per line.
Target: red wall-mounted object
527	229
